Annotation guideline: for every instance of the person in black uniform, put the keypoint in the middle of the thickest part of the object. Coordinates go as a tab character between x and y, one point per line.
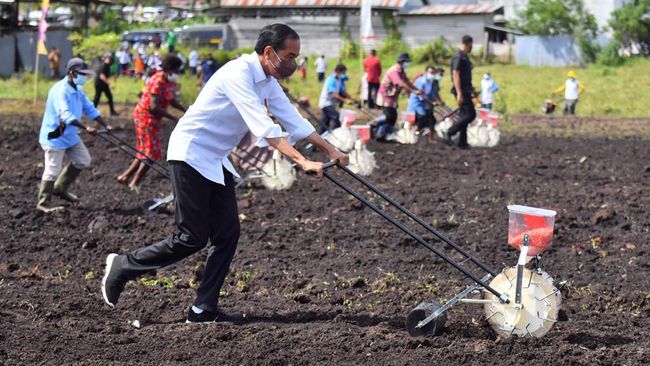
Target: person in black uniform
461	73
102	84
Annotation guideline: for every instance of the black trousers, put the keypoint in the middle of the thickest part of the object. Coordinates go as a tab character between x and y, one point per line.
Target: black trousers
467	114
205	210
386	127
102	87
329	119
426	120
373	89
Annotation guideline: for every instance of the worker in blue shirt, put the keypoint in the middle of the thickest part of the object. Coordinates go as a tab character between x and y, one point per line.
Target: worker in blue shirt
59	134
333	94
422	105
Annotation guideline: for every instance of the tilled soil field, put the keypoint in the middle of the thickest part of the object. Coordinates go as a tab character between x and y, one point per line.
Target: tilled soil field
324	280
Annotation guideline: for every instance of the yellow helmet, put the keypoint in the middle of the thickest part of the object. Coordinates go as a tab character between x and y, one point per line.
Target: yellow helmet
572	74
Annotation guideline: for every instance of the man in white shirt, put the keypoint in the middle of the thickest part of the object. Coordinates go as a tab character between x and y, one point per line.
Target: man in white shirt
572	89
321	67
488	88
232	103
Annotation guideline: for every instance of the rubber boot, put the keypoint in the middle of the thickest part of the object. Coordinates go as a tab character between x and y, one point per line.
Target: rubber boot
45	197
69	174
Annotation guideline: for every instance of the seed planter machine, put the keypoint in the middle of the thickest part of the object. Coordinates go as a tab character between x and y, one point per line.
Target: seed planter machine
520	300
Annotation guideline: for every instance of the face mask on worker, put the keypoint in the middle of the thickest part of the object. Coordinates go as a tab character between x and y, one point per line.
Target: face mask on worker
173	77
80	80
429	77
438	77
405	65
286	68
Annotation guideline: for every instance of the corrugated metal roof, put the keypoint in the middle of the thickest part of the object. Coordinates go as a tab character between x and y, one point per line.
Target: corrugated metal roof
376	4
453	9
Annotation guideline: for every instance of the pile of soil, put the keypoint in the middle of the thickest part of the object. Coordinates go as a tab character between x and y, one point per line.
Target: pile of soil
324	280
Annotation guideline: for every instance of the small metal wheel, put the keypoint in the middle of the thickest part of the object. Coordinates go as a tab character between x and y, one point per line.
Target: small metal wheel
150	207
421	312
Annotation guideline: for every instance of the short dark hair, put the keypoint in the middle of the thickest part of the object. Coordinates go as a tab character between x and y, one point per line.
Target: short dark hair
171	63
430	67
274	35
467	39
373	52
340	68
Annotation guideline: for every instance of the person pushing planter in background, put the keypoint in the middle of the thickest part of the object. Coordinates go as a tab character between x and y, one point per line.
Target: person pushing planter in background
423	108
159	93
333	94
234	102
59	135
391	86
572	89
461	73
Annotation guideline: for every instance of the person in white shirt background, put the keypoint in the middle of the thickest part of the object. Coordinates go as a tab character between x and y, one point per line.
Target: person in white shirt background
488	88
321	67
194	61
572	89
232	103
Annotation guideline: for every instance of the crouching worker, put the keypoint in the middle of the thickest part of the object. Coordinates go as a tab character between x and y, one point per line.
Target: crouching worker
333	94
158	94
59	135
230	105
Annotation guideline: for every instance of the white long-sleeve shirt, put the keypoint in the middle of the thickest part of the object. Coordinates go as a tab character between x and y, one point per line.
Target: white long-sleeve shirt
233	102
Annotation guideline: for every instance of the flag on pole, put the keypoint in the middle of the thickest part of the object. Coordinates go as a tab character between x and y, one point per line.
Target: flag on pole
42	29
367	33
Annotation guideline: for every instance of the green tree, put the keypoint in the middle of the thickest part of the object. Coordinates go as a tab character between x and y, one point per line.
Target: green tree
631	24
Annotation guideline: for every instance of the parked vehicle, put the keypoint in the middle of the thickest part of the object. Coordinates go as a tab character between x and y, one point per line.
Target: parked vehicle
217	35
146	35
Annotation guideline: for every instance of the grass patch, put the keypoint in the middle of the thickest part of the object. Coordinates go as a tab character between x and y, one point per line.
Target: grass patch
609	91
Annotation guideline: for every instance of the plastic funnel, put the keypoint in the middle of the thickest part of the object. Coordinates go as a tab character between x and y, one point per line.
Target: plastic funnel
347	117
538	223
361	132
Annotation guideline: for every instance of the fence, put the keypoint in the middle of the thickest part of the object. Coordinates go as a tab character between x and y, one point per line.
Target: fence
18	51
547	51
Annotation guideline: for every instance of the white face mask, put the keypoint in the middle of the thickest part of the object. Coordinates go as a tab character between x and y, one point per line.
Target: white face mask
438	77
172	77
80	80
429	77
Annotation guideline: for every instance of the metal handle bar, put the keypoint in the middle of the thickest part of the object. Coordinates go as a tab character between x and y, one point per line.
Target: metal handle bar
120	144
406	230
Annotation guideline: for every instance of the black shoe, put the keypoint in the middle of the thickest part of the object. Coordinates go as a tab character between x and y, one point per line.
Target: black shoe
217	316
114	114
112	283
464	147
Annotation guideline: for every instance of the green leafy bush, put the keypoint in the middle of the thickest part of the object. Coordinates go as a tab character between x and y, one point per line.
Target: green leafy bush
437	52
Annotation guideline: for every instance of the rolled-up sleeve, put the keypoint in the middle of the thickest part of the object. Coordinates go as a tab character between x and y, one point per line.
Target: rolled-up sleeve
88	107
240	91
295	124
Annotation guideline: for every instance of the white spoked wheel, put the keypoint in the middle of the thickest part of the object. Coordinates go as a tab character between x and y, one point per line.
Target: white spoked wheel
538	311
342	138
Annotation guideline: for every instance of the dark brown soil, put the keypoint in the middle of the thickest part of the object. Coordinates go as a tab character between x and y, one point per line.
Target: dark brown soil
324	281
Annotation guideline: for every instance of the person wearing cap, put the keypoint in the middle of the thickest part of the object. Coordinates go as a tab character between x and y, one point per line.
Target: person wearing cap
59	135
103	85
488	88
461	73
235	101
391	86
333	94
158	94
572	89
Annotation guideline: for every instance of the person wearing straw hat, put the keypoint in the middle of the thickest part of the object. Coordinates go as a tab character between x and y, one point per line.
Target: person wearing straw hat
59	135
158	94
572	89
233	102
